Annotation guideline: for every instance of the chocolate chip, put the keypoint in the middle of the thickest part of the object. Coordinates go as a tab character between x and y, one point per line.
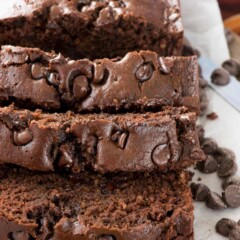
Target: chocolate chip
238	222
114	137
37	71
20	235
22	138
80	87
204	102
66	159
214	201
201	132
144	72
199	192
231	196
227	168
220	77
234	234
203	83
122	140
235	180
162	66
106	237
188	50
224	153
160	156
209	146
210	165
53	78
224	226
55	12
91	144
212	116
232	66
100	74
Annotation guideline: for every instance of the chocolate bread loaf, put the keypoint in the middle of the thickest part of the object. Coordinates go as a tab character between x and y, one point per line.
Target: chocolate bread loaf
93	29
106	143
140	81
115	207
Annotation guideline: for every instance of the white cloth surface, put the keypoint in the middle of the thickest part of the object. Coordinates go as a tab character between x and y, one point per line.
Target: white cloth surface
203	27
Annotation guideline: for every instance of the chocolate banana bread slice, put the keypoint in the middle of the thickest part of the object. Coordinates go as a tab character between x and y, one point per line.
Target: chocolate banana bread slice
93	29
140	81
106	143
113	207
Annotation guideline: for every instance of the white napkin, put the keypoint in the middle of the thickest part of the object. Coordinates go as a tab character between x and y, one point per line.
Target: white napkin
203	27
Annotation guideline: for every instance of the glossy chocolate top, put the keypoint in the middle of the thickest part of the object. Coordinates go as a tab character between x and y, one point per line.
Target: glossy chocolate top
140	81
105	143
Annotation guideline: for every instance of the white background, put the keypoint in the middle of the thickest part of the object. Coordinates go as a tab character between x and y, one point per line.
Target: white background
203	27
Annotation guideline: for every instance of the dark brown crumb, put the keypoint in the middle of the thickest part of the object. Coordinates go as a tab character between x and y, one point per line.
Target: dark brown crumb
113	203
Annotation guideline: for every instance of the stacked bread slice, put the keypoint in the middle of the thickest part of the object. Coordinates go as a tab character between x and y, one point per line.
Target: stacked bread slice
95	147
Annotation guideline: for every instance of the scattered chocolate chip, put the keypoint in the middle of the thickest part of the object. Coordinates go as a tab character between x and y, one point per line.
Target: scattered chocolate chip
53	78
203	82
188	50
37	71
80	87
162	66
204	101
224	153
224	226
232	66
210	165
231	196
238	222
161	155
106	237
144	72
199	192
227	168
235	180
201	133
212	116
209	146
22	138
214	201
220	77
234	234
